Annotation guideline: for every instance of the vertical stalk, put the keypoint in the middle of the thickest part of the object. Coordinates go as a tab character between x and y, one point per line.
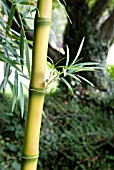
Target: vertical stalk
37	85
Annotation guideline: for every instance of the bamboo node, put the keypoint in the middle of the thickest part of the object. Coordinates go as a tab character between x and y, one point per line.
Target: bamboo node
42	21
38	90
29	157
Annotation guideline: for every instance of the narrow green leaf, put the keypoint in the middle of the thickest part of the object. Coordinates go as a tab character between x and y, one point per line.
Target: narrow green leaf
85	64
65	2
6	74
11	85
11	15
44	114
25	76
21	99
16	83
13	102
7	39
67	61
59	62
79	69
64	72
64	10
27	57
12	50
74	77
51	62
9	61
85	80
5	8
15	91
2	22
22	47
26	12
2	85
79	50
67	84
67	16
75	70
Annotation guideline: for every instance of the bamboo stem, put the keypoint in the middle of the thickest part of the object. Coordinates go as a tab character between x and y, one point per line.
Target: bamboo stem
37	86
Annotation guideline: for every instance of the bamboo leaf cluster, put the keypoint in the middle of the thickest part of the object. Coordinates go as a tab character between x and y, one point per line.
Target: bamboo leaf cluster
14	50
72	70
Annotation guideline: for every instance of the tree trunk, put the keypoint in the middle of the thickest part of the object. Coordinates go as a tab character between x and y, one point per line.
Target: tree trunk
107	28
82	26
98	9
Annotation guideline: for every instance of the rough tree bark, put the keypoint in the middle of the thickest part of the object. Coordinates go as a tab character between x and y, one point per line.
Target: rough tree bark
98	9
85	25
107	28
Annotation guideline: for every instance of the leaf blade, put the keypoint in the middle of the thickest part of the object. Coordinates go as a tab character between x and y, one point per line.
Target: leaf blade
67	84
21	99
85	80
79	50
15	91
67	60
10	18
27	57
9	61
22	47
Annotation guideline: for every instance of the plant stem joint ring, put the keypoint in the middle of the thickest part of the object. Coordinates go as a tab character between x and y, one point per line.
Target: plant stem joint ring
42	21
29	157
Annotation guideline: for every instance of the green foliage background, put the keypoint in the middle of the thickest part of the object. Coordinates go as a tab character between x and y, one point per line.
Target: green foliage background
77	133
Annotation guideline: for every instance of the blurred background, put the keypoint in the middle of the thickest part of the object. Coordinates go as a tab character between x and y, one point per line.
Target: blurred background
77	129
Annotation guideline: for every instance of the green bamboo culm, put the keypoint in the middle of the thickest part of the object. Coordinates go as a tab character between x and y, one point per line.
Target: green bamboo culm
37	85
